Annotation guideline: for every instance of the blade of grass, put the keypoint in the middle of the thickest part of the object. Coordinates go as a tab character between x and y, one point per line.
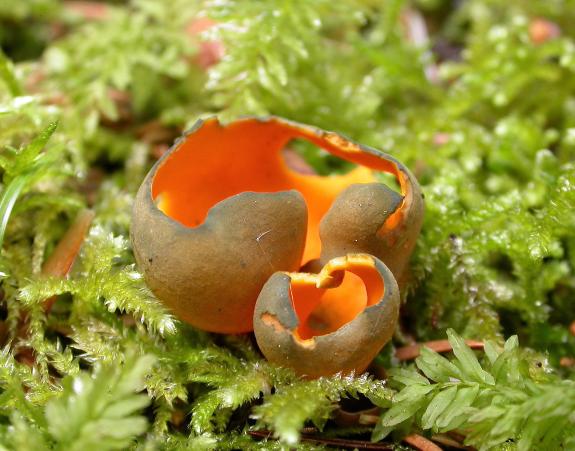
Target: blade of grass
9	197
23	171
7	74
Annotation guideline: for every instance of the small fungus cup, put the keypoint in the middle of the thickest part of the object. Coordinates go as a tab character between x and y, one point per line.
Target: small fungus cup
334	321
222	211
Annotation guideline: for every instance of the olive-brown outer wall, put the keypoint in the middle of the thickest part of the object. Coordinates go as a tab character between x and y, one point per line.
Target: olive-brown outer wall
351	348
210	275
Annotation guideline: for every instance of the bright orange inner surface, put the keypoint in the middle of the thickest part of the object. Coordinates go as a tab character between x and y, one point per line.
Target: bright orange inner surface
324	310
216	162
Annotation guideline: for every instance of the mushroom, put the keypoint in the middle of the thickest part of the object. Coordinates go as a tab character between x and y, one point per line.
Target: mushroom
221	212
334	321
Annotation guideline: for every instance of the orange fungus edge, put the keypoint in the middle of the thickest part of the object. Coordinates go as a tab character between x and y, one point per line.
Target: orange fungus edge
354	283
232	153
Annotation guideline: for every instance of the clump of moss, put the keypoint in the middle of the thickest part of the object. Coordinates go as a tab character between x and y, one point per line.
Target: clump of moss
477	99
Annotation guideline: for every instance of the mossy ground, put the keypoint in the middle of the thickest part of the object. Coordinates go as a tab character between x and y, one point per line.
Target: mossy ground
477	97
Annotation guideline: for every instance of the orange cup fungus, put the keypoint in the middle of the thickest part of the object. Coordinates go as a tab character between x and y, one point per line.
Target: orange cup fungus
330	322
221	212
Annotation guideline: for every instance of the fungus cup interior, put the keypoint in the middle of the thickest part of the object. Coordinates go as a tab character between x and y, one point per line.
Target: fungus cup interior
215	162
326	301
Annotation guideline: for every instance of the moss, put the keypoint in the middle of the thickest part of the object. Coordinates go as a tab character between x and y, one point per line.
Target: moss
482	110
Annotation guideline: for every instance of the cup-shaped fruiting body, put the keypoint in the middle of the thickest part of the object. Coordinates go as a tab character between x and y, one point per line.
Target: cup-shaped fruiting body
334	321
211	275
221	212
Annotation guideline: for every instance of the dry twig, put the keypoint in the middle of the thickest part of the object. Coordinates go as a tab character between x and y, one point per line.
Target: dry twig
412	351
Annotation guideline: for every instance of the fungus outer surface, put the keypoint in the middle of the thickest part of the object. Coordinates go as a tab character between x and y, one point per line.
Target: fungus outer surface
325	323
221	212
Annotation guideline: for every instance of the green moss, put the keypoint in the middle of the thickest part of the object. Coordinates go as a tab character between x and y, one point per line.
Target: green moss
481	113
